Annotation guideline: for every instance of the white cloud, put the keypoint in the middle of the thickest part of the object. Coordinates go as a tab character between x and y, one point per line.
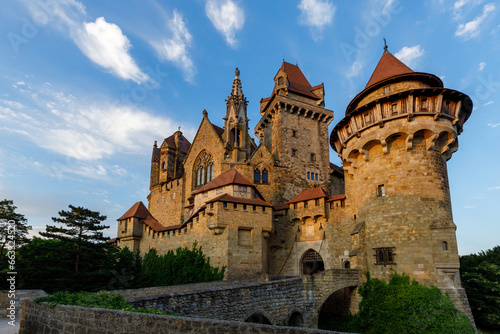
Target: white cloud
493	125
175	49
102	42
494	188
106	45
355	69
469	207
83	130
410	54
472	28
316	14
481	66
227	17
488	103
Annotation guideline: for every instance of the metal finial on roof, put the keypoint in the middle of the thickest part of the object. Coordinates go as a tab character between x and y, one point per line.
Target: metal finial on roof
179	129
385	46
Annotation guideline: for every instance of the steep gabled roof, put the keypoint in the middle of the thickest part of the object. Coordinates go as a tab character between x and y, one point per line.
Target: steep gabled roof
137	210
309	194
240	200
388	66
230	176
184	144
297	81
218	129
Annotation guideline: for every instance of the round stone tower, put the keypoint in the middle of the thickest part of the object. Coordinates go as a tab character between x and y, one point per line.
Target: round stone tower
394	142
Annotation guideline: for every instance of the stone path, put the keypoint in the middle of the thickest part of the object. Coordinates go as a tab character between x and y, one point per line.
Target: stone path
5	328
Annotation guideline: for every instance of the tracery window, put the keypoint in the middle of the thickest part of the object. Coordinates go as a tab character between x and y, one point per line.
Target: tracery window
203	169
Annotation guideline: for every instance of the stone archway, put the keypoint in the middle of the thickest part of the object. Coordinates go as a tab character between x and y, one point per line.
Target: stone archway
296	320
312	263
258	318
335	308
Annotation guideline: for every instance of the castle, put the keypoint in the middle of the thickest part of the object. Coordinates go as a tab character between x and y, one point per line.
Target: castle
277	206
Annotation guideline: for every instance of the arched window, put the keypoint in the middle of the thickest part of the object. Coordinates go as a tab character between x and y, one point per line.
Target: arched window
260	175
264	176
256	176
163	165
203	169
445	245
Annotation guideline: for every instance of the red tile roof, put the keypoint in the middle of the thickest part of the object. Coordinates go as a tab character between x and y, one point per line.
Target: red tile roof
336	197
388	66
112	241
309	194
230	176
137	210
282	206
239	200
297	81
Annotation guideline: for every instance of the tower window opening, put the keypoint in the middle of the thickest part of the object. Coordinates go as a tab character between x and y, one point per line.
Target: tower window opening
445	246
308	175
394	108
423	104
316	177
294	133
294	153
313	157
381	190
163	165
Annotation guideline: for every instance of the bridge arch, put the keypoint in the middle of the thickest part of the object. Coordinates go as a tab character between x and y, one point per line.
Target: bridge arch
259	316
296	318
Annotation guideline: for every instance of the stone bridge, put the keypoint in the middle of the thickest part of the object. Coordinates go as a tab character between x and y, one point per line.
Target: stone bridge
293	301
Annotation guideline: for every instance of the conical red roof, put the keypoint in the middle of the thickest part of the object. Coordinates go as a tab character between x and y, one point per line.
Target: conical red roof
388	66
137	210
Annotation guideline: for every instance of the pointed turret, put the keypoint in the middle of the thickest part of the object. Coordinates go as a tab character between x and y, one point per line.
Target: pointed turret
388	66
236	123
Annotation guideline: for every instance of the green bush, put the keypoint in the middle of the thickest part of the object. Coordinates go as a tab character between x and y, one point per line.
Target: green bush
404	306
101	299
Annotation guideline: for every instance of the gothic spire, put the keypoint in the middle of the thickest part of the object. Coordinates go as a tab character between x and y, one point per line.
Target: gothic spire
236	90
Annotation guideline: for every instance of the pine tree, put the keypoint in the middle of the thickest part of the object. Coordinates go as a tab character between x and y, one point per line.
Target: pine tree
13	227
83	229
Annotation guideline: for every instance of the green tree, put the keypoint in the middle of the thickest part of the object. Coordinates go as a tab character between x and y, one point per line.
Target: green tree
13	228
45	264
404	306
480	275
83	229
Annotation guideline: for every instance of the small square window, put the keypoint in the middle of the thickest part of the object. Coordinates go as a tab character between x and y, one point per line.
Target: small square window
381	190
394	108
306	204
313	157
316	202
263	209
294	133
294	153
224	204
244	206
235	205
255	208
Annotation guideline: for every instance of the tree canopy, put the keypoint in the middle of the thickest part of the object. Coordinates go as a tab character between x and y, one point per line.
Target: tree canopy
13	227
480	275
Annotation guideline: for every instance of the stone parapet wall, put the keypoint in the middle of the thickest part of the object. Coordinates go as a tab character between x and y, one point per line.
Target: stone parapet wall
42	318
274	300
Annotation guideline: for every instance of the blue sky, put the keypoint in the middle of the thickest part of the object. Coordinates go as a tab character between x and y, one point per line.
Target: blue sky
86	87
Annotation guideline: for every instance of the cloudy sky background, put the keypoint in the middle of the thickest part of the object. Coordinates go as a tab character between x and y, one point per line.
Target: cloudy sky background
87	87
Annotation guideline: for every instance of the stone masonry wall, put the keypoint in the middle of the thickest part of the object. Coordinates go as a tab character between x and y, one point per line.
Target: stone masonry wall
42	318
20	296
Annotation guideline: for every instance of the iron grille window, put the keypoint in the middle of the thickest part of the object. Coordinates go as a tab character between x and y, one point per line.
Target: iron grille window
384	255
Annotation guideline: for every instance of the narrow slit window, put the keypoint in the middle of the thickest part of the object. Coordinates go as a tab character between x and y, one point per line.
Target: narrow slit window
381	190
